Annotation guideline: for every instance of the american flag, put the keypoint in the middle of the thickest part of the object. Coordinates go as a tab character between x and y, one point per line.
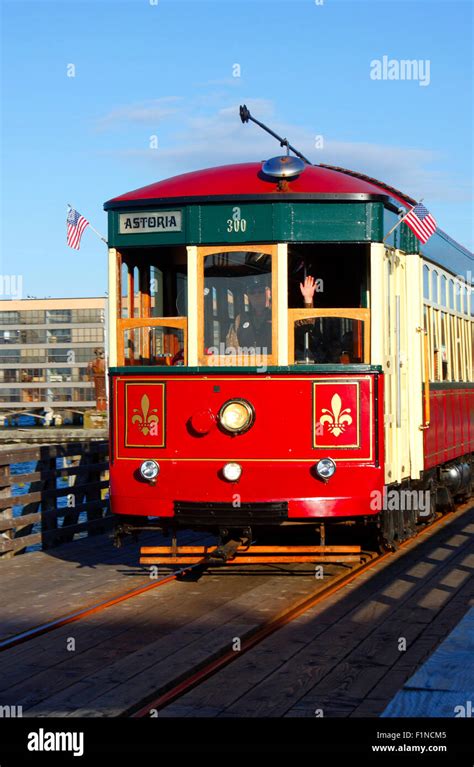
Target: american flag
75	227
421	222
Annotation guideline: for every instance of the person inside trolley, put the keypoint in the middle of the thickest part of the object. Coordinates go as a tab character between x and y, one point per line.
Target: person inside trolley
253	329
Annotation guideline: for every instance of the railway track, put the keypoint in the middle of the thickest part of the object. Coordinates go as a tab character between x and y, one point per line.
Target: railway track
334	584
274	624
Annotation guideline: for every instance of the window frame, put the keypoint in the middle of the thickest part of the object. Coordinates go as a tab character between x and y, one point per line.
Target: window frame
362	315
221	360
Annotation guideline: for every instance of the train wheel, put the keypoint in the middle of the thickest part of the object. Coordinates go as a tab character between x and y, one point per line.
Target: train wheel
387	531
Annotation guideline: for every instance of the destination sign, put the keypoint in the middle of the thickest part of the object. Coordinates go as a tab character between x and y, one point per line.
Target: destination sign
151	221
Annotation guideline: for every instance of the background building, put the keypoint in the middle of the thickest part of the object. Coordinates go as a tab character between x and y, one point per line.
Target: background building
45	348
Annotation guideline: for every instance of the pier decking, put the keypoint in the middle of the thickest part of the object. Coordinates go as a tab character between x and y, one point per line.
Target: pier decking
342	658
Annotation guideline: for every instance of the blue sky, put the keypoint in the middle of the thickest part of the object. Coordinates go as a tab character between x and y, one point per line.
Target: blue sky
166	69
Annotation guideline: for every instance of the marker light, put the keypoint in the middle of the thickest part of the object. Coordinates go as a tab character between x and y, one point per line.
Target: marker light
149	470
236	416
232	471
325	468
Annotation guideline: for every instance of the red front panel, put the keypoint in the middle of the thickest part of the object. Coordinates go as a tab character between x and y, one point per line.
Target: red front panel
451	430
298	420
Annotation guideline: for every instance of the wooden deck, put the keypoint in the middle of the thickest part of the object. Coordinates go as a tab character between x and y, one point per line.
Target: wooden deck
444	685
341	658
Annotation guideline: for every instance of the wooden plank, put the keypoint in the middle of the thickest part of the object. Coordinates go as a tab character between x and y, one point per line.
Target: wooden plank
418	652
57	533
17	544
6	515
56	492
426	703
18	522
46	451
60	473
30	519
4	476
450	667
32	508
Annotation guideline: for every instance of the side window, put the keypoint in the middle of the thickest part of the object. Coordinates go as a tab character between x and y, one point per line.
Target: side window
152	329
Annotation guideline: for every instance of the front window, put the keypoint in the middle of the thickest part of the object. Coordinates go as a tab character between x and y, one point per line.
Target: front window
329	340
238	316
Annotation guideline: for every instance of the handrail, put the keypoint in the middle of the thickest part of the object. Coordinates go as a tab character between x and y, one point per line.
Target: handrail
426	383
34	518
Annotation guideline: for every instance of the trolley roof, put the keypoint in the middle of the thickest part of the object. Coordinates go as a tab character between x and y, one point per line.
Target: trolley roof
247	181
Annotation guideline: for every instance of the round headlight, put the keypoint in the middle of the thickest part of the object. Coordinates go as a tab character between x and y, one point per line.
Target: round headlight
236	416
325	468
149	469
232	471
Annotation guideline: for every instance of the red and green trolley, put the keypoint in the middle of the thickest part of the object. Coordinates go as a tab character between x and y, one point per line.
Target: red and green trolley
237	418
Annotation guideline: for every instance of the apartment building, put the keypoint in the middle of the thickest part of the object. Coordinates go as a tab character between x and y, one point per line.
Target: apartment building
45	348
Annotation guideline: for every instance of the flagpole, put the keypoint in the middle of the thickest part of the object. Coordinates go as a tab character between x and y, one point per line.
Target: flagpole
401	220
93	229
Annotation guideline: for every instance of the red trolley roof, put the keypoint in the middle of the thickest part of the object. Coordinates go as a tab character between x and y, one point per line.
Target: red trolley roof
247	180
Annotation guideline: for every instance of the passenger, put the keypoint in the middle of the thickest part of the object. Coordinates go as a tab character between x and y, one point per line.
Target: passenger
253	329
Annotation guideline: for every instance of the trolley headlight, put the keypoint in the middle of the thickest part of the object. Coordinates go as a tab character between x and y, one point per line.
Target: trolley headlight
325	468
149	470
236	416
232	471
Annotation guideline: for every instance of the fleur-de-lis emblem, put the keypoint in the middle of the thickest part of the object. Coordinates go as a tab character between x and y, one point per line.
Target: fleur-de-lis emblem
336	419
144	420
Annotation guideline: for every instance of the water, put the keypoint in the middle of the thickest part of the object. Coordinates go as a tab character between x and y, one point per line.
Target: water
27	422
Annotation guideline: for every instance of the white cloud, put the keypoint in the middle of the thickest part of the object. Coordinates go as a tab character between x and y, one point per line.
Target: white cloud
149	112
231	81
219	138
